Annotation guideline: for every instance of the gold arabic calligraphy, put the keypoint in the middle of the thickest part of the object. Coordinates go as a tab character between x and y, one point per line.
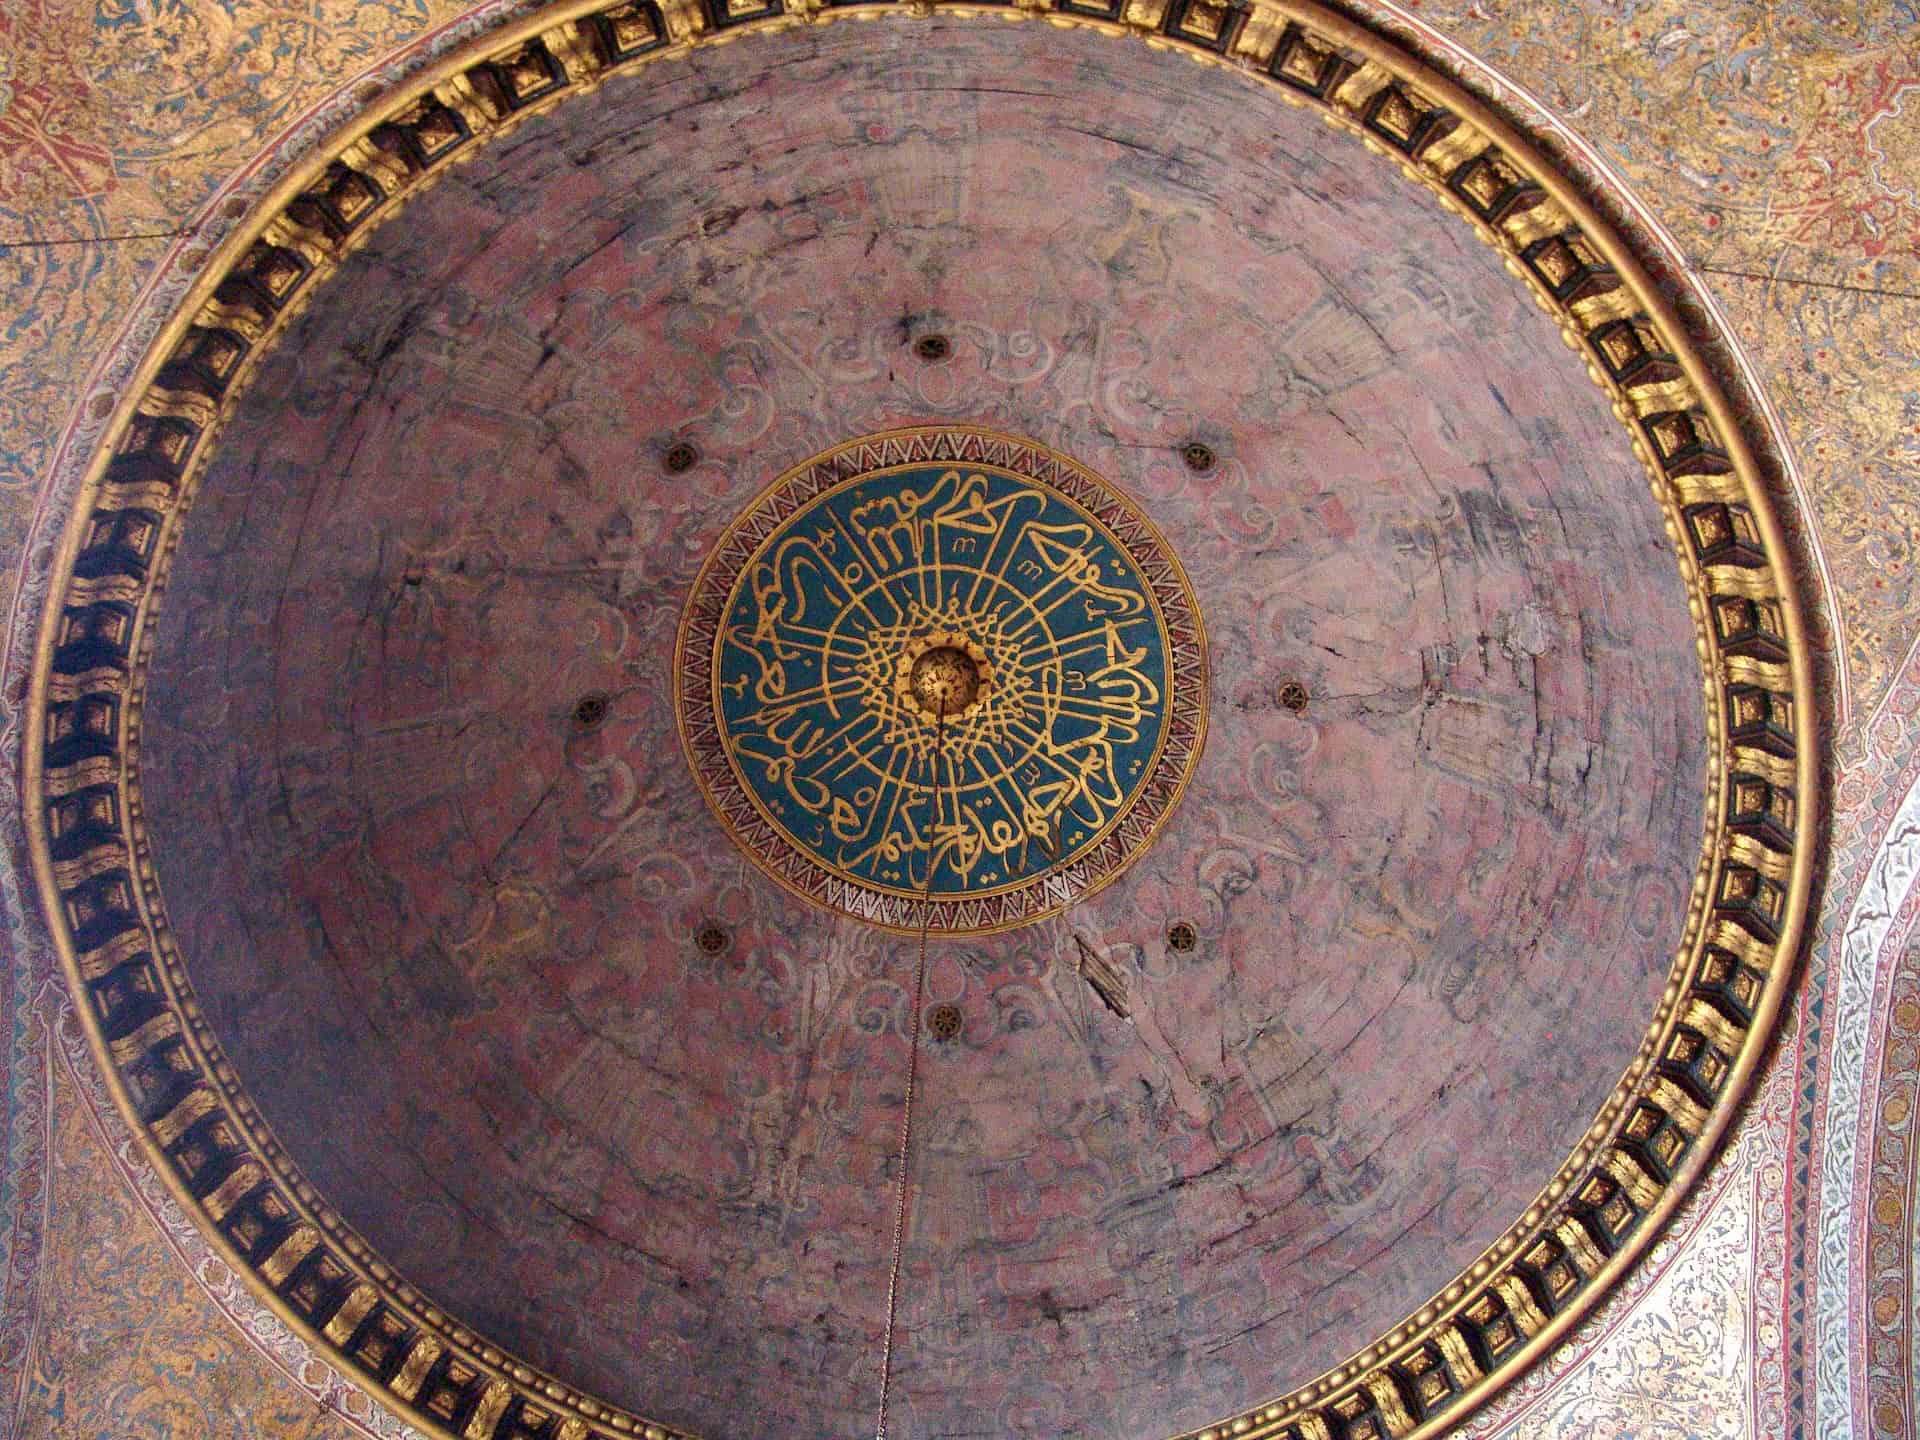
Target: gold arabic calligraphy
826	620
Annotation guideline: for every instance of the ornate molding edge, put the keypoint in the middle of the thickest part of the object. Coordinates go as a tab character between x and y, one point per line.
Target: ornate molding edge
1650	1141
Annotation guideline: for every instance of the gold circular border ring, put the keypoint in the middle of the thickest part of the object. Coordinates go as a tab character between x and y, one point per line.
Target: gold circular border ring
1649	1142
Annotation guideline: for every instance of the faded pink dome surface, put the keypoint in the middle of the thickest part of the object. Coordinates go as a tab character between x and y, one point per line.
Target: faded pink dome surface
450	939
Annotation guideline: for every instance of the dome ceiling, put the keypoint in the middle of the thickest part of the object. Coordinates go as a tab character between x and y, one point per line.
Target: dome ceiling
961	495
442	514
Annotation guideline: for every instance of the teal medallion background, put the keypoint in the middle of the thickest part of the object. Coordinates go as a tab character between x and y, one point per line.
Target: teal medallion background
1069	615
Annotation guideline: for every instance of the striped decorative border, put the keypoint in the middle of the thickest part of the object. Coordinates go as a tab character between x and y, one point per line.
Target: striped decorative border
1648	1143
1139	820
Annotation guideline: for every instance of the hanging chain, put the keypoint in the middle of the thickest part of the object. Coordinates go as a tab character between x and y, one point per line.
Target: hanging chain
906	1108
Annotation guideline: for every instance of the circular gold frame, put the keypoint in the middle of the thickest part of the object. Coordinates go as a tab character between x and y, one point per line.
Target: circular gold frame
1121	839
1647	1145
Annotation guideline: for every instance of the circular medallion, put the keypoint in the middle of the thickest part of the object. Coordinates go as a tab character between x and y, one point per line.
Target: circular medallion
947	667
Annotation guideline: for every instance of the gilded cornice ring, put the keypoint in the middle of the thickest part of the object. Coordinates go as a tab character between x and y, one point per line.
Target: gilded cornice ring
1649	1142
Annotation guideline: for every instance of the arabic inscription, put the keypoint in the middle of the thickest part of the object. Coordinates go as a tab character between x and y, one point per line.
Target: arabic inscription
947	680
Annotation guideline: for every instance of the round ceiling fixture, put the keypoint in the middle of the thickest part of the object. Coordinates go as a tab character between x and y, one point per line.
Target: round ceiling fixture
1198	457
942	666
590	711
946	676
411	994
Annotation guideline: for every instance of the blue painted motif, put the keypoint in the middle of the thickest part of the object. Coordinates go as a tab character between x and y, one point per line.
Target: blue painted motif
815	659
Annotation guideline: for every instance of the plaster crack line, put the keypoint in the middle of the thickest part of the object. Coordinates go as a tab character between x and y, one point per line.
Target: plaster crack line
95	239
1801	280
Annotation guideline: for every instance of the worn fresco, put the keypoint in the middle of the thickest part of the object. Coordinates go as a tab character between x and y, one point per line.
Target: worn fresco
1772	142
125	116
1843	366
1775	143
58	305
1835	73
1768	137
1429	517
121	125
1798	174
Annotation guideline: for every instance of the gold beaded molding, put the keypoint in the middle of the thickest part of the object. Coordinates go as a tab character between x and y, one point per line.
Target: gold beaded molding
1650	1141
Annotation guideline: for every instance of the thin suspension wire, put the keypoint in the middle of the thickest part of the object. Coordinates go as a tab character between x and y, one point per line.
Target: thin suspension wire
906	1108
